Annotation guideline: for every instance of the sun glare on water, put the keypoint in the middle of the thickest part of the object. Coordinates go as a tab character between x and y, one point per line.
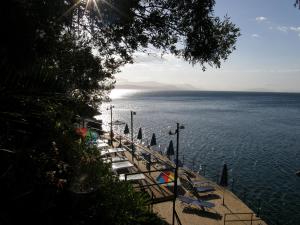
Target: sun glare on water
121	93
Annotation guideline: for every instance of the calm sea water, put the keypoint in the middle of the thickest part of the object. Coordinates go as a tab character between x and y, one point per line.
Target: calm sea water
256	134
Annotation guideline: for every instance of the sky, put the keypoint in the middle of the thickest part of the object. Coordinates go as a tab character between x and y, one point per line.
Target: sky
266	59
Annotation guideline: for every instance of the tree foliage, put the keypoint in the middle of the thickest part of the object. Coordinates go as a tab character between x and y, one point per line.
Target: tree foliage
77	45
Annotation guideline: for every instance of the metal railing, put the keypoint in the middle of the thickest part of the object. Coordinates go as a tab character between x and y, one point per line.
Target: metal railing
252	218
177	218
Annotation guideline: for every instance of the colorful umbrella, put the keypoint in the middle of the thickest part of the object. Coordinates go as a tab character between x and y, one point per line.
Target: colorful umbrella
165	177
91	135
82	131
87	134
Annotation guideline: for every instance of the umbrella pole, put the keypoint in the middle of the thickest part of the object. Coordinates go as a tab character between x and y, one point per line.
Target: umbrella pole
223	196
132	150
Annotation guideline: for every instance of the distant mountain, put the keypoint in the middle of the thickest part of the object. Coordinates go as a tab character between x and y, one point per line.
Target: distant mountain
259	90
152	85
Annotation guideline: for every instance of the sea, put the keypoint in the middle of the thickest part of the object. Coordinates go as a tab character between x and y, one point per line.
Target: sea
257	135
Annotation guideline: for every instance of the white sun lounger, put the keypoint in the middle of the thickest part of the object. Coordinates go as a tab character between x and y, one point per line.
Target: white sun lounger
112	150
115	159
104	152
102	141
121	165
116	150
101	145
138	176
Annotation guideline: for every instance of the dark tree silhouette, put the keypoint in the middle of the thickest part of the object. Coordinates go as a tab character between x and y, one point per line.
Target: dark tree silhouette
77	46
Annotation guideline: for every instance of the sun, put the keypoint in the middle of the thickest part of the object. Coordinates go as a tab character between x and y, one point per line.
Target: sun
121	93
92	4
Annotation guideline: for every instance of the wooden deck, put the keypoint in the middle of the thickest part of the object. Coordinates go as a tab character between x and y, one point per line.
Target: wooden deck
232	212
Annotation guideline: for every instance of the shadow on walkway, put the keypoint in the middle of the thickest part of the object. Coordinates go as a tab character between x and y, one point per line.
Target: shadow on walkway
202	213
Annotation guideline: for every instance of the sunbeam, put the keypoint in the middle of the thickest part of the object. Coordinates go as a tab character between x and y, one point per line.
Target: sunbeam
89	4
71	8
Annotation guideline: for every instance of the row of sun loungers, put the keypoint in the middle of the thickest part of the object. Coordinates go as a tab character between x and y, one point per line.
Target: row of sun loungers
119	162
115	159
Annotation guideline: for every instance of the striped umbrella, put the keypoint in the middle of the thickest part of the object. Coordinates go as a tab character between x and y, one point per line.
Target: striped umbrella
165	177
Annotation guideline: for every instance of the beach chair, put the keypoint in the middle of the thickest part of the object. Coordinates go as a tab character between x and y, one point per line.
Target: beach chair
195	190
197	183
121	165
196	202
204	189
114	159
132	177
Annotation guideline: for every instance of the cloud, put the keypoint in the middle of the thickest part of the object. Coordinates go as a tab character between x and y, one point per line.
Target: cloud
286	29
141	57
255	35
296	29
260	18
282	29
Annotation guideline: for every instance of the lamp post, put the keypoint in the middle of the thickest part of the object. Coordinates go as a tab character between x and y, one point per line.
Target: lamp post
132	147
176	168
111	130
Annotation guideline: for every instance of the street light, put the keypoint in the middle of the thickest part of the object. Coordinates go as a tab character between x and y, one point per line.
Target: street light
132	147
176	168
111	130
